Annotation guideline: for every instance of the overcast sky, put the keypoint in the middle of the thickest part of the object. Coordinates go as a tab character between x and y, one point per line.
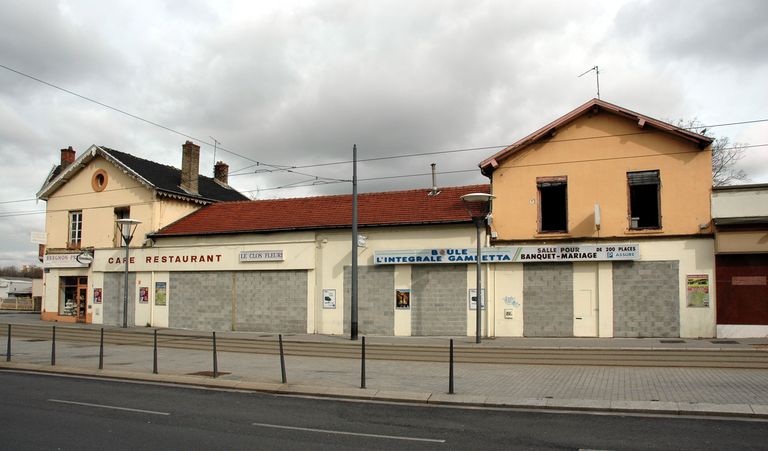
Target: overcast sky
300	82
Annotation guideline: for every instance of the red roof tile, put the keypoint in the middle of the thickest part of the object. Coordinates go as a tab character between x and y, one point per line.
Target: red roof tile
374	209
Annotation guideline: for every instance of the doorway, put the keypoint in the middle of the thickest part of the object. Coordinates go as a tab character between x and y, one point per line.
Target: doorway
73	295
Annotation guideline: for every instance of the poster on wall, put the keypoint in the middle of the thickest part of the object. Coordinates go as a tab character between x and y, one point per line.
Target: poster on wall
329	298
160	293
97	295
403	299
697	290
143	295
473	299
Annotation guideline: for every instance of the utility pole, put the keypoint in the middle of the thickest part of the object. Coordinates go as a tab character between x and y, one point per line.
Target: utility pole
353	307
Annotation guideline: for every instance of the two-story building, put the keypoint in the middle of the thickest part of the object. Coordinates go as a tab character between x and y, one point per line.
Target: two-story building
84	197
610	210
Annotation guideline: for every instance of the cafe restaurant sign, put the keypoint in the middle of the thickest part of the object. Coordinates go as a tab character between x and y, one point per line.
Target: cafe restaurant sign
511	254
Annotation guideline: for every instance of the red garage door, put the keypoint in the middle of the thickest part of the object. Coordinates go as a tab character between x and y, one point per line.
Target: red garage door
742	289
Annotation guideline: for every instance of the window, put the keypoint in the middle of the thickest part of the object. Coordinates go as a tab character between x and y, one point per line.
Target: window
644	200
553	204
121	213
75	228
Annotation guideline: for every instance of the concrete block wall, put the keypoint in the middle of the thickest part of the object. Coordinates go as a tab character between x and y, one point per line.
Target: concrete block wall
112	298
375	299
548	299
271	301
646	299
200	300
439	300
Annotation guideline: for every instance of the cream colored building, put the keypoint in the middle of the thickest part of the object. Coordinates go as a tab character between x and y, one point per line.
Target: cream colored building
85	195
605	179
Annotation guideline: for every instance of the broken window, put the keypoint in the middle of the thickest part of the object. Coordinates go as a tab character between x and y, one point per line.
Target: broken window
553	204
644	200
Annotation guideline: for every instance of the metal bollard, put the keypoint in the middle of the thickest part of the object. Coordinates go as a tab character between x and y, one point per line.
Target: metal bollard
215	361
450	370
8	350
53	347
362	365
282	357
154	359
101	349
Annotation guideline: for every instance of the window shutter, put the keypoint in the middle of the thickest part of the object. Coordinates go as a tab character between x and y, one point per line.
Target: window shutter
643	178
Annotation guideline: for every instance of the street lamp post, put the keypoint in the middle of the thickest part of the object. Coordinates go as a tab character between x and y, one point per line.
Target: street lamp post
477	206
127	228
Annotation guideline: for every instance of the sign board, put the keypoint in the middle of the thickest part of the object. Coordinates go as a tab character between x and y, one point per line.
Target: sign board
65	261
38	237
697	290
261	256
329	298
403	299
472	295
511	254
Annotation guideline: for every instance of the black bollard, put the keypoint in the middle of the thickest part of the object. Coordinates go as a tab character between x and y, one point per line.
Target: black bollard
215	361
53	347
154	359
282	358
362	365
8	350
101	349
450	371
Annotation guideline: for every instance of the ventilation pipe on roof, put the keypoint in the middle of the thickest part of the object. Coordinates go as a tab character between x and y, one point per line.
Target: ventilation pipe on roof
190	165
434	191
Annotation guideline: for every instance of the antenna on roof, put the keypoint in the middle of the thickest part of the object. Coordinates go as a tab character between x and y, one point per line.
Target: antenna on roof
597	77
215	145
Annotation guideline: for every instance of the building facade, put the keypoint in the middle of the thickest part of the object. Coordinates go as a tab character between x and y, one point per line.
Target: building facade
85	195
740	214
606	179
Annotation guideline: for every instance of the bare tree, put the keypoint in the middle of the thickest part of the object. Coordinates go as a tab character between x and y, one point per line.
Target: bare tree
724	155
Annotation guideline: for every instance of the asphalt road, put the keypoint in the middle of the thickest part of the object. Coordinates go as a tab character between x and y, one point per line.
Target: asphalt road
52	412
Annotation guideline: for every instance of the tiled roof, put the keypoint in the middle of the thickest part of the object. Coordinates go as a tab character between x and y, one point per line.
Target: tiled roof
167	178
326	212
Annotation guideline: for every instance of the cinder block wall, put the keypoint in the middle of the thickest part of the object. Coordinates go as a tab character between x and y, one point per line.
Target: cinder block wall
271	301
646	299
548	299
439	300
200	300
112	298
375	299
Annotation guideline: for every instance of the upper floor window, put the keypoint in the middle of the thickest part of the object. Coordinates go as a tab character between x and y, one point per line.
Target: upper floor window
553	204
121	213
644	200
75	228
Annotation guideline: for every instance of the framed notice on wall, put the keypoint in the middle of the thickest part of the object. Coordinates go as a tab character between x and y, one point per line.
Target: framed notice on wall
403	299
161	293
329	298
697	290
97	295
143	295
473	299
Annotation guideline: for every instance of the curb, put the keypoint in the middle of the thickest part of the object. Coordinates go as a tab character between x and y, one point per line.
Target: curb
439	399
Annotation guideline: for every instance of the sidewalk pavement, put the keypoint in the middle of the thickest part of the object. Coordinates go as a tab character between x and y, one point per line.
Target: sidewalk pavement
675	391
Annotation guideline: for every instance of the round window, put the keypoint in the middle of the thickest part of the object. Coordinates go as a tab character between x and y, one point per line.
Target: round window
99	180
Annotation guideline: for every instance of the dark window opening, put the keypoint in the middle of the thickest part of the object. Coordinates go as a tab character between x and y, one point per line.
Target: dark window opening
644	200
121	213
553	204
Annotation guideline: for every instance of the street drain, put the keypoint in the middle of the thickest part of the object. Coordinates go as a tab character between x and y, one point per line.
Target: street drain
672	341
207	373
34	340
725	342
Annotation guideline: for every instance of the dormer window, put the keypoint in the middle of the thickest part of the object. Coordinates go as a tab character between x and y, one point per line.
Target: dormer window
75	229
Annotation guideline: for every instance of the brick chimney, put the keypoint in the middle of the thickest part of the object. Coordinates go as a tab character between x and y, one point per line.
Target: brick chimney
221	172
67	157
190	166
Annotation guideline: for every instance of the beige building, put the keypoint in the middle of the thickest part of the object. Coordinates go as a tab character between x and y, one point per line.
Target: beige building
612	210
85	195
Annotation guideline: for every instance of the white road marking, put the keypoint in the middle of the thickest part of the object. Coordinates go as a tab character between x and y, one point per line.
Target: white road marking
359	434
108	407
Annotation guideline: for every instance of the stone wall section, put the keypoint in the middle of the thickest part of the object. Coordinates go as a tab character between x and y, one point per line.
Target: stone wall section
548	299
646	299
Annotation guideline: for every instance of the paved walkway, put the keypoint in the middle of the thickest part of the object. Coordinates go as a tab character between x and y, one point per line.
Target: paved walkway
741	392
